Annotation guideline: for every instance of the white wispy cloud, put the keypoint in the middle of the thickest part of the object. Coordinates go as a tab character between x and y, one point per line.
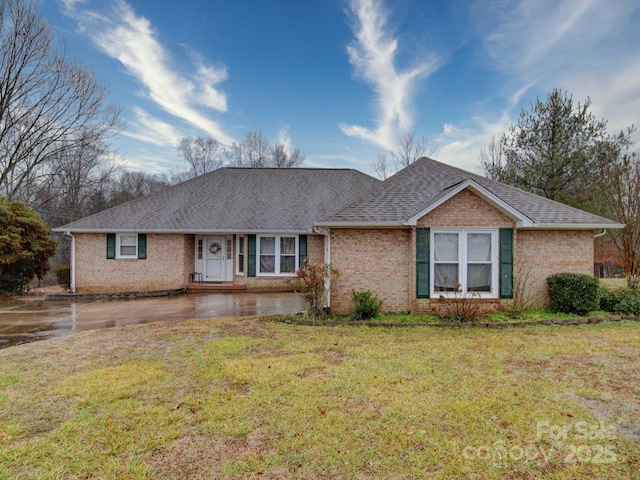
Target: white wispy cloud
586	47
373	57
150	129
459	145
284	138
131	39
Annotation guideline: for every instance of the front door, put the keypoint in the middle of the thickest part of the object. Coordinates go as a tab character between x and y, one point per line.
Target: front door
214	259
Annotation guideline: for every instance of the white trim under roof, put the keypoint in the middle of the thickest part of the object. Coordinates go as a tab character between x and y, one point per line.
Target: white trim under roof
360	224
522	221
181	231
576	226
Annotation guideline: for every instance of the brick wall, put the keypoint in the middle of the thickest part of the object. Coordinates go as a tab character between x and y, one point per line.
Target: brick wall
371	259
466	209
383	260
164	268
545	252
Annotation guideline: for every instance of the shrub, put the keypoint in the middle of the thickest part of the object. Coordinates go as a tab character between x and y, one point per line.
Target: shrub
25	246
63	275
367	305
629	304
573	293
462	306
608	299
313	282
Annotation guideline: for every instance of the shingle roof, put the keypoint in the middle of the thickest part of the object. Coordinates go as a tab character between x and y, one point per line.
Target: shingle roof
414	188
236	199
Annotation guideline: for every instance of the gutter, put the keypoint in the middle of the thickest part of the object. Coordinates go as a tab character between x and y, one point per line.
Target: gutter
72	272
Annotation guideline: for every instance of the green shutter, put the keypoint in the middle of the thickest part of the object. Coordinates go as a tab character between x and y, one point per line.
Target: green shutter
251	259
142	246
302	251
506	263
111	246
423	287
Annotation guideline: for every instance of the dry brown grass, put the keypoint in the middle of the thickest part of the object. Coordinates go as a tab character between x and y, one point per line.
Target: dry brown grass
242	398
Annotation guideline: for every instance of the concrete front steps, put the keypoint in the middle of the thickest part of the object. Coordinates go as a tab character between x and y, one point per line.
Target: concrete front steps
206	287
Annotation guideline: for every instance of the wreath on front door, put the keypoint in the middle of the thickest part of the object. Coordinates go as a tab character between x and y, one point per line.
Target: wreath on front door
215	248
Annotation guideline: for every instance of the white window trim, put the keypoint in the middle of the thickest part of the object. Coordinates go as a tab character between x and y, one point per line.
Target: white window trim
462	262
240	241
118	237
277	255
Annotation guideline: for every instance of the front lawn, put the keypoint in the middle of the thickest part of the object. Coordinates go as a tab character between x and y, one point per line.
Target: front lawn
244	398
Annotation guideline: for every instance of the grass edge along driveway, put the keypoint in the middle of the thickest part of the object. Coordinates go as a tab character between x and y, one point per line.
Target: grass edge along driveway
244	398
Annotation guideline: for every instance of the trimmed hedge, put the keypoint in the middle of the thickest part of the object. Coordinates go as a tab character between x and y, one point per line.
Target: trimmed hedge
573	293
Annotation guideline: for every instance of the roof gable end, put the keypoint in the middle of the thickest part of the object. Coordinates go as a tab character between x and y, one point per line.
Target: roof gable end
521	219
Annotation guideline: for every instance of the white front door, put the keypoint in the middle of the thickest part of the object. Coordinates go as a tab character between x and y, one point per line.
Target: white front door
214	259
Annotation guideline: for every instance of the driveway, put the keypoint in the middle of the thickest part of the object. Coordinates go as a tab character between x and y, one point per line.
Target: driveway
27	321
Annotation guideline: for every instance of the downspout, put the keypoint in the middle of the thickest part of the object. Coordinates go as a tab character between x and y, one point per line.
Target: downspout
327	256
72	279
598	235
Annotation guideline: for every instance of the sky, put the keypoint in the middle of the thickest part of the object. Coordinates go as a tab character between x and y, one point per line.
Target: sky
344	79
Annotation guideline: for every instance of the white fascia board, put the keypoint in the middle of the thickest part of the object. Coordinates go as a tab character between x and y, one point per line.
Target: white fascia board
576	226
522	221
355	224
180	231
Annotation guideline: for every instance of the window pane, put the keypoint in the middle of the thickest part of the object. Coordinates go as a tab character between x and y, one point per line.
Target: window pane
479	278
288	264
479	247
287	246
445	247
445	277
126	251
267	264
267	245
128	245
241	263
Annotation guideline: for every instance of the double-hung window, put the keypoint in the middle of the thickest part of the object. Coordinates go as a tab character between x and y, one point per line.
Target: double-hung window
126	245
277	255
464	261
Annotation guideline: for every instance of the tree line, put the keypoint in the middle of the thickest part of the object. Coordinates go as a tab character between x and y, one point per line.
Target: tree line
559	149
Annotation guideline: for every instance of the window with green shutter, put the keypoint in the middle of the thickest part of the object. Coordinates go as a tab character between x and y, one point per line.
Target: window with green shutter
423	286
142	246
251	255
302	251
111	246
506	263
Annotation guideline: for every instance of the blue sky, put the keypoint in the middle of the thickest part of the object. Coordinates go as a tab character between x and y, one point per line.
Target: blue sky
342	80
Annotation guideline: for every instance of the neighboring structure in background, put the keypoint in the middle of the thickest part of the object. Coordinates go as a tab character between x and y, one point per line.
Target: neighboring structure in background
420	234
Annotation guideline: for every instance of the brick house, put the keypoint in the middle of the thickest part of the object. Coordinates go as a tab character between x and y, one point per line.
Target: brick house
417	236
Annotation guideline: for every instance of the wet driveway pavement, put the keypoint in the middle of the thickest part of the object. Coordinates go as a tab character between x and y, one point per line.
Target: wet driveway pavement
27	321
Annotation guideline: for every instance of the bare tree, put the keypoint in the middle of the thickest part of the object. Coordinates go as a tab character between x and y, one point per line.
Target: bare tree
49	104
255	150
381	166
70	180
282	158
618	185
201	154
493	161
410	148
